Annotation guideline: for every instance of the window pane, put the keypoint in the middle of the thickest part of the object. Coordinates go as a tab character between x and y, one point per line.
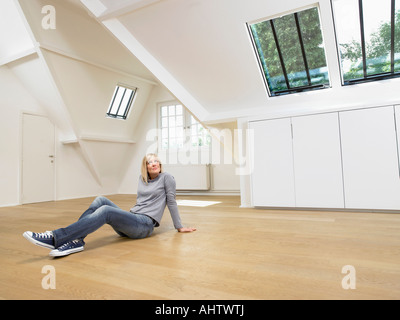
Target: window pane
200	130
125	101
179	109
179	132
348	34
268	55
194	130
164	111
177	128
171	132
164	133
195	142
291	52
377	30
208	140
179	143
171	110
314	45
117	99
171	122
172	143
179	120
120	102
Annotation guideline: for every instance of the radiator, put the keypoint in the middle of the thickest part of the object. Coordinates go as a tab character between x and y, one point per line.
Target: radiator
190	177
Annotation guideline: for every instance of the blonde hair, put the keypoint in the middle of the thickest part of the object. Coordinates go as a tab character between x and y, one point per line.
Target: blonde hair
146	159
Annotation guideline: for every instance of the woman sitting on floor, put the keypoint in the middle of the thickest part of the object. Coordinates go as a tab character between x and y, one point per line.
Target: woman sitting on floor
156	190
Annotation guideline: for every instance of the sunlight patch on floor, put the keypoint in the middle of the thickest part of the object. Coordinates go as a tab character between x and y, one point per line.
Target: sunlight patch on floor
196	203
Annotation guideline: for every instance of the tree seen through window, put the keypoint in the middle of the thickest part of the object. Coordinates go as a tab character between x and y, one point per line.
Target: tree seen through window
291	52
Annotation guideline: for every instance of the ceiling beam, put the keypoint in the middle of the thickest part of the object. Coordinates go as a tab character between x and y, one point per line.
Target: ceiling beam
115	9
155	67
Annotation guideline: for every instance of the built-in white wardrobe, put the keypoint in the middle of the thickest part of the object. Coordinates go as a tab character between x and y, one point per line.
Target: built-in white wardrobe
344	160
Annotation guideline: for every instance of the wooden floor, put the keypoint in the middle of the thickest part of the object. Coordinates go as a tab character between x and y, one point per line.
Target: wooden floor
235	254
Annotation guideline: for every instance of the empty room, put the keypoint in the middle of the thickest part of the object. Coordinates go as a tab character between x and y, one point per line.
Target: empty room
200	150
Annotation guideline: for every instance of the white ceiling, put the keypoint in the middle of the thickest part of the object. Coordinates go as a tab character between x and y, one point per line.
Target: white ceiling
18	41
205	47
200	50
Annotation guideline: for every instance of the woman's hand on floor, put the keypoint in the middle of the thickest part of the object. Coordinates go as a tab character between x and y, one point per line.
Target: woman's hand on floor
186	229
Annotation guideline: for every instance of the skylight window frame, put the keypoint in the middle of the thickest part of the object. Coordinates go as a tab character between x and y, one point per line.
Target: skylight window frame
126	108
374	77
298	89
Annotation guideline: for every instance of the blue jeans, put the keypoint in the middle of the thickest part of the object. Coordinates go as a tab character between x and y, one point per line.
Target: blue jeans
103	211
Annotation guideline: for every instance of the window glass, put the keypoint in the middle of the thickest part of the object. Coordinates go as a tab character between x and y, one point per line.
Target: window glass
179	127
313	46
367	33
286	31
291	52
377	32
121	102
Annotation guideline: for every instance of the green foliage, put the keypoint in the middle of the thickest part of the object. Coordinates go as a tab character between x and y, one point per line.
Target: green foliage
289	44
378	51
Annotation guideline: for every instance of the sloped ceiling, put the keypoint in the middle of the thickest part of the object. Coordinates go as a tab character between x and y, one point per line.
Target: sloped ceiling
77	34
201	51
81	49
72	71
16	43
205	45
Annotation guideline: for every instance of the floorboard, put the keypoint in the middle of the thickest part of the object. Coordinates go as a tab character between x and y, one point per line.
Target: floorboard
237	253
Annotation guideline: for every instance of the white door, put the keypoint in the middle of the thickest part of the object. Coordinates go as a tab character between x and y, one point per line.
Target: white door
318	161
370	159
272	179
37	159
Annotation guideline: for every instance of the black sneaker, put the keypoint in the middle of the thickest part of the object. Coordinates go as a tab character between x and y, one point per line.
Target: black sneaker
68	248
44	239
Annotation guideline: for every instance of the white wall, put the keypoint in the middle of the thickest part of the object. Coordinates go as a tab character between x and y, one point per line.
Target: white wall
143	143
73	172
14	100
87	91
32	72
223	161
71	79
74	178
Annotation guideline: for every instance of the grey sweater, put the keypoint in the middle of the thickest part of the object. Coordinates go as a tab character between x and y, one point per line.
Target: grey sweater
155	195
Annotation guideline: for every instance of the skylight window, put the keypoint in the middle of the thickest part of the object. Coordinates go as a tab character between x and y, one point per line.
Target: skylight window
290	51
121	102
368	39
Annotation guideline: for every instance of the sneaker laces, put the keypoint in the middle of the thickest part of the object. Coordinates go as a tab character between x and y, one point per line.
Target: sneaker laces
44	235
65	245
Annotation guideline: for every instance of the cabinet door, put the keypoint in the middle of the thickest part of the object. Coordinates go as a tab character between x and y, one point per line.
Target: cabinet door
272	178
397	115
317	161
370	159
